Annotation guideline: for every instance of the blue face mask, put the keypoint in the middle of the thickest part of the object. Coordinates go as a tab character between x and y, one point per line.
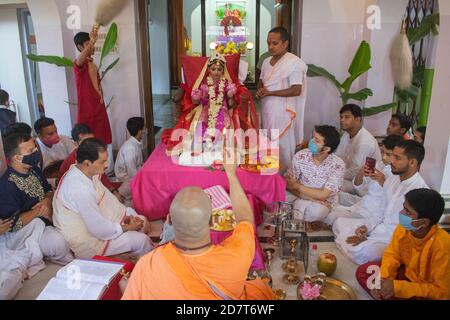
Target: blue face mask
406	222
313	147
32	159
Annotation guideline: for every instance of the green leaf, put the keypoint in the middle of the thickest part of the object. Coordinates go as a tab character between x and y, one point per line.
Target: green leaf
316	71
428	25
110	42
58	61
112	65
407	95
359	66
367	112
361	95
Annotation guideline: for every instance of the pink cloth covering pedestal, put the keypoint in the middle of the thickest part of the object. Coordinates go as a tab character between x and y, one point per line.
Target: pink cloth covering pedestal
159	180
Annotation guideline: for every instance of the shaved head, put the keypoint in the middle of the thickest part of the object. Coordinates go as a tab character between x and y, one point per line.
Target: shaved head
190	213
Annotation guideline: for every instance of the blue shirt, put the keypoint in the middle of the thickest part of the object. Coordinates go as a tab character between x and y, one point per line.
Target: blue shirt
21	192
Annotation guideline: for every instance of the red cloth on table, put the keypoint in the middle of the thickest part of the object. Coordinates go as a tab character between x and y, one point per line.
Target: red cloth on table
113	292
159	180
91	110
72	159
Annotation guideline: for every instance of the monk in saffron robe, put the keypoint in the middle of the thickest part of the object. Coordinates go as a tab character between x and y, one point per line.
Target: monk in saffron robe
190	267
416	264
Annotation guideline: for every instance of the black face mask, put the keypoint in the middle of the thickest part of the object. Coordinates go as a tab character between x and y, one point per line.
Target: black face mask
32	159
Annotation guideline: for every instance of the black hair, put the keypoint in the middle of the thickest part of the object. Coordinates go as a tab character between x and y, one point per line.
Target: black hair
80	38
428	204
42	123
354	109
79	129
134	125
330	135
282	31
4	97
18	127
423	131
413	150
404	121
390	142
12	141
90	149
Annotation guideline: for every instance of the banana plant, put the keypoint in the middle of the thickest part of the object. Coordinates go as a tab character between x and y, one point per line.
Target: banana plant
108	46
359	66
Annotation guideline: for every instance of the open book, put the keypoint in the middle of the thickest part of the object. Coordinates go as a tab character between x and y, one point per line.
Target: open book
81	280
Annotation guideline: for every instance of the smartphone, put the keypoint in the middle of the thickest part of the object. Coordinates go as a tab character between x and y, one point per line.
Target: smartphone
371	163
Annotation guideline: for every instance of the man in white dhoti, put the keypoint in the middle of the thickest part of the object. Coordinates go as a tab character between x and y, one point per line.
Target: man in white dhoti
282	90
364	241
54	147
315	176
90	217
356	144
369	184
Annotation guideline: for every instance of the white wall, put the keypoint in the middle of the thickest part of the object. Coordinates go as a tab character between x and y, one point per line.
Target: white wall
436	168
49	40
12	76
159	47
332	32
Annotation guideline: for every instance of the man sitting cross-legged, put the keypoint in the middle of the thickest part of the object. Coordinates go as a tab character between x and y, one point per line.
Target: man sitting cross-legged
89	216
316	176
190	267
416	264
364	240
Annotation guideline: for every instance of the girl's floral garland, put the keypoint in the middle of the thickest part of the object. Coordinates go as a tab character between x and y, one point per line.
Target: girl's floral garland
216	97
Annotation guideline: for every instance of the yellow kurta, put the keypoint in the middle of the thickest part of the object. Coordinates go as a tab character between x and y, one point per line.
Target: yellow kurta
426	261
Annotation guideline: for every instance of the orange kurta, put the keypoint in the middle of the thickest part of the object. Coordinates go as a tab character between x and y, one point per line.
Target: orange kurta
160	274
426	261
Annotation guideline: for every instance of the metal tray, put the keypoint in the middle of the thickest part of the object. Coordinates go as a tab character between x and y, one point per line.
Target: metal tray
333	290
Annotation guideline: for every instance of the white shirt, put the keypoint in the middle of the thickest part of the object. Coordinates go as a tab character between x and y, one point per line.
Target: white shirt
363	188
328	175
77	193
394	192
58	152
129	160
355	151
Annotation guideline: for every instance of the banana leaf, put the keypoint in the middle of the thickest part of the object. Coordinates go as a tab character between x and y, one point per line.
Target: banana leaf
359	66
316	71
428	25
361	95
110	42
58	61
112	65
367	112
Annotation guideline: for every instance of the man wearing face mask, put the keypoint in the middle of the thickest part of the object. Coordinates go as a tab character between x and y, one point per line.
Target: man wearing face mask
90	217
416	264
366	241
54	148
316	176
26	208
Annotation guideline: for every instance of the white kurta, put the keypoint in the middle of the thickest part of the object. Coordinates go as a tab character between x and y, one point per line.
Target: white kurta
354	153
58	152
129	160
288	71
380	230
78	193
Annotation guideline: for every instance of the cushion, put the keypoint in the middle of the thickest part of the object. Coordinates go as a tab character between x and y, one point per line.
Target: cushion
192	67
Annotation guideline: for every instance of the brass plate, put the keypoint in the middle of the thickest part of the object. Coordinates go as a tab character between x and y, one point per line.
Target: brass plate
333	290
223	220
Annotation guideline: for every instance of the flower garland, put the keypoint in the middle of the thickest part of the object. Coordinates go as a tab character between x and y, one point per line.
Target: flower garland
216	98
